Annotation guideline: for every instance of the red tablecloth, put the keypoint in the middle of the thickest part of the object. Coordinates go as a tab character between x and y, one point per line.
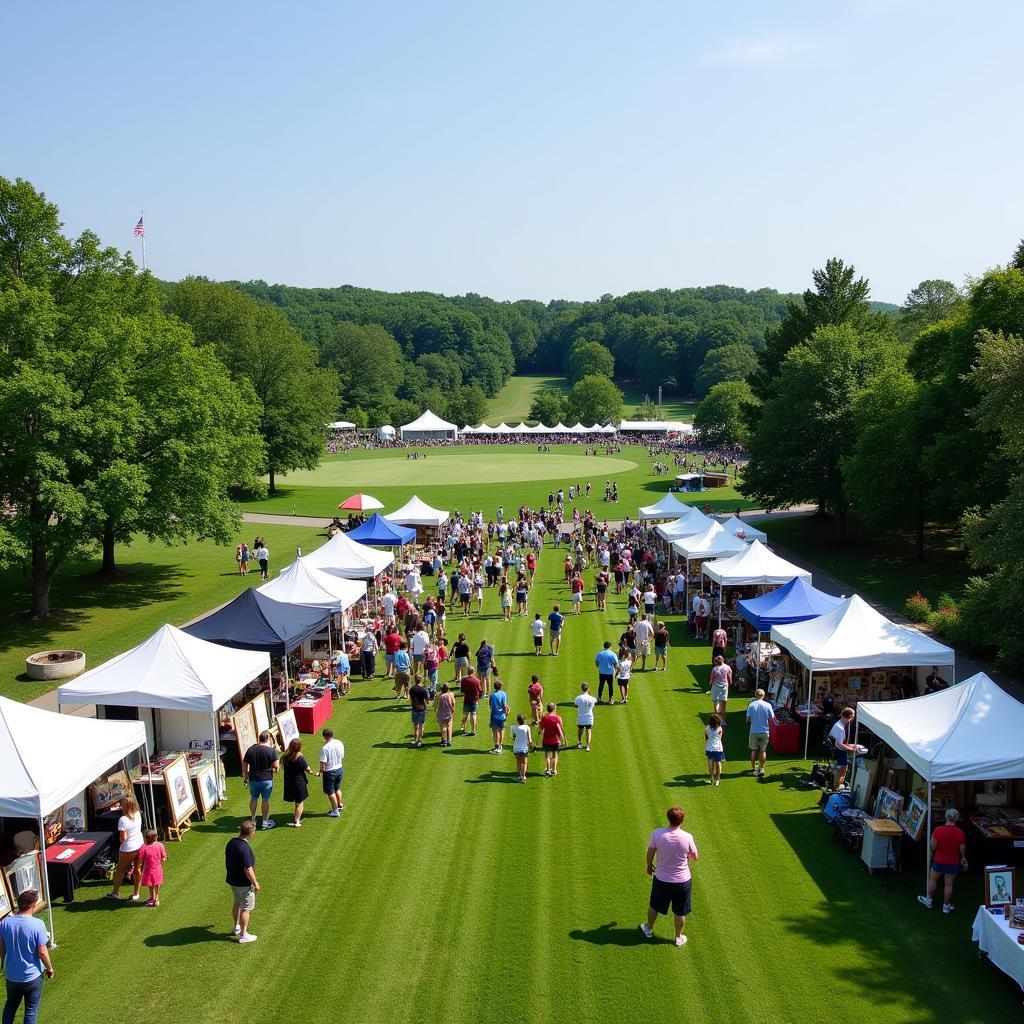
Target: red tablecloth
310	719
53	853
785	737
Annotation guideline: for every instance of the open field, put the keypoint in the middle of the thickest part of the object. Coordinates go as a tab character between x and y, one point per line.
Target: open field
446	892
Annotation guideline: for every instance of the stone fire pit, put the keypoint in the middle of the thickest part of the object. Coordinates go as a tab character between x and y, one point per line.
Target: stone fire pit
54	664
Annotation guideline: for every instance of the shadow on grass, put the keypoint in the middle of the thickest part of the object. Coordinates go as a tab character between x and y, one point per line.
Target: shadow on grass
498	777
189	935
611	934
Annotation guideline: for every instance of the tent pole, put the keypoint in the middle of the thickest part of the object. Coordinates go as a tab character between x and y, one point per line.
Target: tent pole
149	775
928	839
807	733
856	738
270	694
757	664
221	789
721	598
46	878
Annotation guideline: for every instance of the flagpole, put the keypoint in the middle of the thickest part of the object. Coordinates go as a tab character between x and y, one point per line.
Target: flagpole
143	222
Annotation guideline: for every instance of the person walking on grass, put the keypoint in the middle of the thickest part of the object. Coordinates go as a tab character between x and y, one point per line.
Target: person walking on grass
498	702
505	597
445	714
403	664
719	639
584	702
129	834
669	853
536	694
555	622
624	673
714	749
263	557
607	667
661	645
485	665
240	870
460	657
417	645
522	744
295	768
552	739
471	692
419	698
949	858
537	627
644	632
522	593
720	681
25	952
259	765
760	715
332	770
577	587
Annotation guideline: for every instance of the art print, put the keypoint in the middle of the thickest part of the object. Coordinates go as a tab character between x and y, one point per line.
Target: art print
288	726
244	723
110	789
209	788
6	903
999	885
181	801
888	804
262	715
24	873
913	821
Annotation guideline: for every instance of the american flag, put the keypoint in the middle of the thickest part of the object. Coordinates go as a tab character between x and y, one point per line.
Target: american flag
140	228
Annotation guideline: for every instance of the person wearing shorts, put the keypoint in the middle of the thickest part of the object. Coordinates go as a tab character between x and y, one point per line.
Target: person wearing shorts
760	715
522	744
418	700
402	663
721	680
552	739
839	735
714	749
240	869
537	626
661	644
949	858
555	622
460	657
259	764
536	694
644	631
719	638
669	853
332	770
471	692
498	702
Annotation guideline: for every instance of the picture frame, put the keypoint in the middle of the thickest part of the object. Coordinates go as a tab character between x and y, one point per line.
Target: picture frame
288	727
914	819
110	789
785	692
75	819
208	788
181	801
6	902
260	713
53	826
1000	885
1015	917
244	724
888	804
24	873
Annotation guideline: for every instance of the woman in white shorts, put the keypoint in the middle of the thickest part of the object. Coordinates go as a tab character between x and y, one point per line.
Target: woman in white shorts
721	680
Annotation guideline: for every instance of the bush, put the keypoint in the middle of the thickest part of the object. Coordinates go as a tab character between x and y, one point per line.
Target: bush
917	607
945	622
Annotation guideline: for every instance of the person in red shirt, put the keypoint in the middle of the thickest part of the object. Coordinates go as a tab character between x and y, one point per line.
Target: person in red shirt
536	693
471	693
531	566
392	640
552	739
402	606
949	858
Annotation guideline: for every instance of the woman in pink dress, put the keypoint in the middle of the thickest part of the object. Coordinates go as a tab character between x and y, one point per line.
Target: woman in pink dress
151	866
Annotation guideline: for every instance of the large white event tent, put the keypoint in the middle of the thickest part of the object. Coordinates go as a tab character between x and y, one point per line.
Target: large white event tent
756	565
302	583
45	759
967	733
559	428
854	635
744	530
655	426
713	542
668	507
693	522
427	427
347	558
341	425
416	512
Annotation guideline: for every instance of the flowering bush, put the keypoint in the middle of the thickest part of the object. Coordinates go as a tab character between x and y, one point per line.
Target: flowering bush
945	622
917	607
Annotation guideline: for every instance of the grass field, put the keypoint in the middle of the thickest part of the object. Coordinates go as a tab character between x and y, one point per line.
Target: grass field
446	892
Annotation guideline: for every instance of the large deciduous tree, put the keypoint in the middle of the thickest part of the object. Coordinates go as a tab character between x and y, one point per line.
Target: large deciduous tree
594	400
722	416
729	363
548	407
589	357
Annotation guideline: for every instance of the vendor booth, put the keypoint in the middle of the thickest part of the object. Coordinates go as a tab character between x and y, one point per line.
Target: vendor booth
853	653
378	532
48	761
744	530
756	566
703	480
692	522
669	507
426	521
429	427
342	556
712	543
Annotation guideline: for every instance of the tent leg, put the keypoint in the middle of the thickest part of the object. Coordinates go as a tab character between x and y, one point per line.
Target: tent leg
270	693
149	775
721	598
807	732
221	785
856	738
928	839
46	879
757	664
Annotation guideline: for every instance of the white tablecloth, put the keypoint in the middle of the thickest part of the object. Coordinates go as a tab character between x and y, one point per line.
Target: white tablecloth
995	937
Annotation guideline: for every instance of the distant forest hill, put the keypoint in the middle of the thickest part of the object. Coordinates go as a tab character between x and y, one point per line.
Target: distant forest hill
394	351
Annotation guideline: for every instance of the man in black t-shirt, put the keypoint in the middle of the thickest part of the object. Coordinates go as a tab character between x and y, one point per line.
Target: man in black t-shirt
258	767
240	865
418	697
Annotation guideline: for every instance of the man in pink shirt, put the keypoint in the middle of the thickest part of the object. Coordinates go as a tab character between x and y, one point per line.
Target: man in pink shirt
673	849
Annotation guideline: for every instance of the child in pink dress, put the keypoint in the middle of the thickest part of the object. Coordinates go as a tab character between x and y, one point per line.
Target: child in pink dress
151	865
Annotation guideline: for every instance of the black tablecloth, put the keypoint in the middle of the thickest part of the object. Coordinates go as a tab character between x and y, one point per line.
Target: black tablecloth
65	875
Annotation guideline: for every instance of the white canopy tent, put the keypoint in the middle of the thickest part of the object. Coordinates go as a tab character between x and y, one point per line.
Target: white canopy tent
503	428
523	428
559	428
668	507
46	759
484	429
386	433
744	530
347	558
756	565
341	425
968	733
578	428
416	512
302	583
543	429
468	429
688	525
656	426
429	426
854	635
713	542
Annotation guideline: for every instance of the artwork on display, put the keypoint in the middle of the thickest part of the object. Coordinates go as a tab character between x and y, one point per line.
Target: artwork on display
181	801
110	789
209	788
74	814
244	723
53	826
1015	917
999	885
888	804
853	682
24	873
913	821
288	726
6	903
784	694
259	707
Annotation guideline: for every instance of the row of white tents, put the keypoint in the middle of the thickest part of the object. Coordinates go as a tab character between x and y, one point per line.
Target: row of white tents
522	428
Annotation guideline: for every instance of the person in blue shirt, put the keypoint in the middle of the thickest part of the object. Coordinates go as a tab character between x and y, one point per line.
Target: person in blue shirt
342	671
499	712
760	715
607	663
555	620
23	949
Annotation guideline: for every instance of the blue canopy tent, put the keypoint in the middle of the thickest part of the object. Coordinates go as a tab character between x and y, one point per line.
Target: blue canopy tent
797	601
379	532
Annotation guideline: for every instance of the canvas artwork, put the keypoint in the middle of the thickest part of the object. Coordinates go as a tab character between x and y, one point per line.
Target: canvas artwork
784	694
1016	917
245	729
289	729
53	824
110	789
74	814
181	801
23	873
259	707
914	819
999	885
888	804
6	904
208	787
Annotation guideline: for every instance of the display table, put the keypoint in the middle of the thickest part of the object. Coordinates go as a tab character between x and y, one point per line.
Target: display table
67	862
878	836
311	714
196	760
998	941
784	736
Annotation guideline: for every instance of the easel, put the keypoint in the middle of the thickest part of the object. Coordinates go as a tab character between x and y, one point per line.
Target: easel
176	830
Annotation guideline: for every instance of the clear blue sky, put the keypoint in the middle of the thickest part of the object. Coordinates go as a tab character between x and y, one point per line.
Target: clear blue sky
528	149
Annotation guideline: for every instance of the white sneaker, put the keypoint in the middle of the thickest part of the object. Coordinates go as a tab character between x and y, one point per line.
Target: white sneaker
681	941
247	937
925	901
948	908
269	823
334	813
238	930
648	932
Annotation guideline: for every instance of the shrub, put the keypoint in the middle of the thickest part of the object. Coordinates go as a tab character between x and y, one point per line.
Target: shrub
917	607
945	622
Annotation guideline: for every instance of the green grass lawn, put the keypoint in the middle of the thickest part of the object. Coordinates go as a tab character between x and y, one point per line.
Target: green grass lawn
675	407
481	476
512	403
881	567
446	892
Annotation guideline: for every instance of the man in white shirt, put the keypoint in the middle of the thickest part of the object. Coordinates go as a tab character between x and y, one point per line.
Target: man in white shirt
417	645
584	715
388	602
332	757
414	586
644	631
839	734
537	626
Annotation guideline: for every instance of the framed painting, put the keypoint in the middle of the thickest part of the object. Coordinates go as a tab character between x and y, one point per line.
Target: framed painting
1000	884
244	723
6	903
888	804
262	715
181	801
1015	917
288	726
74	814
785	692
24	873
208	787
110	789
914	818
53	825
